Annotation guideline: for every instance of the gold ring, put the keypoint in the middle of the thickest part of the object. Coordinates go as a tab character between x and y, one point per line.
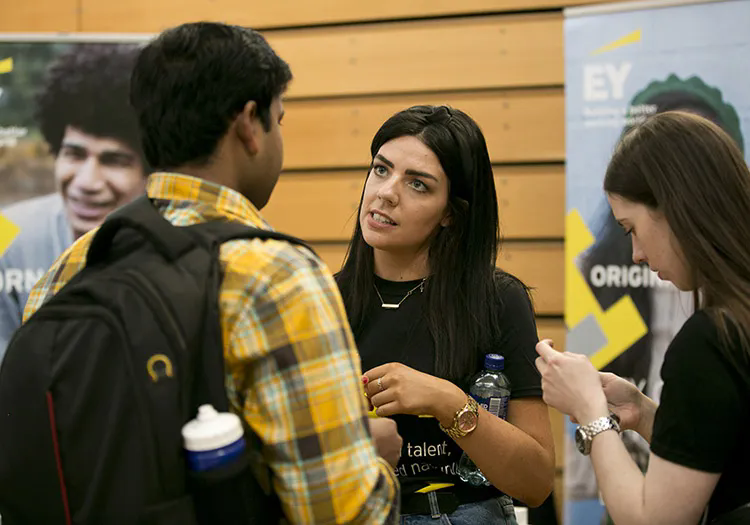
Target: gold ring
380	384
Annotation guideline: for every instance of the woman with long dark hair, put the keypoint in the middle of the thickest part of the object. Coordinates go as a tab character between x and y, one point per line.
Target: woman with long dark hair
426	304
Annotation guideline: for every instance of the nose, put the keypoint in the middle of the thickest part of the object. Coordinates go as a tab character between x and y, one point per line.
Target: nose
638	255
88	177
387	192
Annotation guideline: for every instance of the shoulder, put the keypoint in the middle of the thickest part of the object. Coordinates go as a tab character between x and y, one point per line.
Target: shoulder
511	293
37	218
698	349
264	264
43	232
33	211
697	333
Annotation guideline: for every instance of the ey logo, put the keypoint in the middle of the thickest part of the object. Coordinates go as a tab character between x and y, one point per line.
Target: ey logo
604	81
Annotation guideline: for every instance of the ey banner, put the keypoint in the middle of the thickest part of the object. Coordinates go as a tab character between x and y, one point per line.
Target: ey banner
624	62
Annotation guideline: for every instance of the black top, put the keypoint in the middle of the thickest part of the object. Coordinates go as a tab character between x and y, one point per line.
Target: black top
703	420
403	336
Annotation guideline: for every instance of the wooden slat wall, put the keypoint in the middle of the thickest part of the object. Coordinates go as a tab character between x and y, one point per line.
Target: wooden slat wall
519	125
149	16
39	15
355	64
468	53
332	199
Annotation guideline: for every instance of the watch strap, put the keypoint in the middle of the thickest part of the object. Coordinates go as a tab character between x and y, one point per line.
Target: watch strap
454	431
596	427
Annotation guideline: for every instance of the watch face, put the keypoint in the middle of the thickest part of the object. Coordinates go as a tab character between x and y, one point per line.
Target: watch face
580	441
467	421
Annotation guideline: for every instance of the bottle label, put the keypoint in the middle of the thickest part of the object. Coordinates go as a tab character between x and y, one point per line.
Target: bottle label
497	406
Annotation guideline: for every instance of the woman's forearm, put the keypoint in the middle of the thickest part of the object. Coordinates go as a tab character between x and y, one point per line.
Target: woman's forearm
512	460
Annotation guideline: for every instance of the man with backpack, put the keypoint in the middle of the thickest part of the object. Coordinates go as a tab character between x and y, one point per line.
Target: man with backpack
139	323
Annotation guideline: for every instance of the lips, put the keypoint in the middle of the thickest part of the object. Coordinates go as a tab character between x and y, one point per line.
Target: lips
382	218
89	210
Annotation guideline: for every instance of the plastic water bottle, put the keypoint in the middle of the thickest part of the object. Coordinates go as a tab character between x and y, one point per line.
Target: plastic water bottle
214	444
491	389
221	476
213	439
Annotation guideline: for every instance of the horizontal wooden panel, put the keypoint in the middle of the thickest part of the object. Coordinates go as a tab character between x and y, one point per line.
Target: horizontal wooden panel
145	15
519	126
531	201
435	55
322	206
538	264
39	15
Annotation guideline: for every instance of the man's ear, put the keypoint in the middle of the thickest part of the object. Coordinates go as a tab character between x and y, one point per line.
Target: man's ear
248	127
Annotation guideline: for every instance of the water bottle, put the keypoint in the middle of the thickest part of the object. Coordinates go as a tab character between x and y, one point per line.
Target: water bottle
491	389
219	480
213	440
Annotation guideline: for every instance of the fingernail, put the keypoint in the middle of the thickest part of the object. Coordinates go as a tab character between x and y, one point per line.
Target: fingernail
365	380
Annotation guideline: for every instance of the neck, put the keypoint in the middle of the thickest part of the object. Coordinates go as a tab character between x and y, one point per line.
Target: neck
220	169
397	266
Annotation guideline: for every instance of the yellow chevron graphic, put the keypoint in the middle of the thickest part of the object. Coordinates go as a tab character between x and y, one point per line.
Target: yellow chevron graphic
8	232
6	65
631	38
621	323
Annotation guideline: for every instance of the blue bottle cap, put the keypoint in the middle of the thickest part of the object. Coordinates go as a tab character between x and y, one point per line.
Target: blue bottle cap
494	362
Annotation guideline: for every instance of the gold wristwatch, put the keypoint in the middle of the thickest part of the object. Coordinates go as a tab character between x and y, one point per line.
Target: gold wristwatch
465	420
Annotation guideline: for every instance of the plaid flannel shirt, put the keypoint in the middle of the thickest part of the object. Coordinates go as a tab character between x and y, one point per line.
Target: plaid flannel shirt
293	370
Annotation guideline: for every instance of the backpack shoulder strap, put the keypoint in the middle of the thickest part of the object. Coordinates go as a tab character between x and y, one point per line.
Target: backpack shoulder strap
140	215
222	231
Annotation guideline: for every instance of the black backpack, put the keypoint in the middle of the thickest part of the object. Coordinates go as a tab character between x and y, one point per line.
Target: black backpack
96	386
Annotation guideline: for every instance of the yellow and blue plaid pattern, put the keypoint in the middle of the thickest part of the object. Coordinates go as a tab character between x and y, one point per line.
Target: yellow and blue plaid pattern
293	369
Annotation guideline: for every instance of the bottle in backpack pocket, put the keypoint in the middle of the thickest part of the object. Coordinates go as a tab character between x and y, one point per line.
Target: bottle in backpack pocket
491	389
221	481
213	440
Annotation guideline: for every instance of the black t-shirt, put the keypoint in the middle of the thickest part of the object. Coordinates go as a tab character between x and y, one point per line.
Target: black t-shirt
703	419
403	336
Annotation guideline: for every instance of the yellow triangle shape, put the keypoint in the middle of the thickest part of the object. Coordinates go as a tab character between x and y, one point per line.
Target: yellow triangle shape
8	232
631	38
6	65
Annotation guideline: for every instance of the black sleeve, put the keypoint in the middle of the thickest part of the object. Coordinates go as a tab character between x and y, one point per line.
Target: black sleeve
518	338
696	424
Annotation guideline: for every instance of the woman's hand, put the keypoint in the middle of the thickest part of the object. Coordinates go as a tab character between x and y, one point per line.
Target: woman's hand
571	384
623	398
635	410
394	388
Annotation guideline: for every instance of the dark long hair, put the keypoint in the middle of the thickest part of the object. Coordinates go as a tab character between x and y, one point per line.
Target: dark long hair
614	248
461	295
694	173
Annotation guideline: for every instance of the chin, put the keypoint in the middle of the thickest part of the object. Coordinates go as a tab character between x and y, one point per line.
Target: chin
376	242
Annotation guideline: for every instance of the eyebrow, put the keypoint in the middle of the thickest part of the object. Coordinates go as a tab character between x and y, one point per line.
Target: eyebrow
408	172
109	152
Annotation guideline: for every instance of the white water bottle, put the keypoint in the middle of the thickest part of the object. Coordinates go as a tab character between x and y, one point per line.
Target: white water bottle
213	439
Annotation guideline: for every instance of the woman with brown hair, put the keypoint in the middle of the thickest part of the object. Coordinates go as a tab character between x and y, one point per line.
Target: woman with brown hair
679	186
